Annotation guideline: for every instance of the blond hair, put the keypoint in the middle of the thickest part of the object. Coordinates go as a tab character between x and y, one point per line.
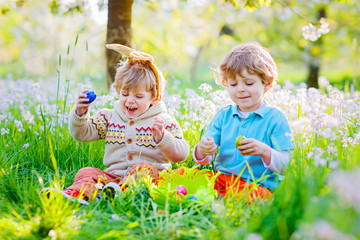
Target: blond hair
130	75
252	57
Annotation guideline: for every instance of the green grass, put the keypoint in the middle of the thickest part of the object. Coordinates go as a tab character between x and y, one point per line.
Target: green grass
304	200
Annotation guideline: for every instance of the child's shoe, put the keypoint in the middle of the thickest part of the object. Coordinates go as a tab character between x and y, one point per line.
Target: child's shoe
110	189
67	193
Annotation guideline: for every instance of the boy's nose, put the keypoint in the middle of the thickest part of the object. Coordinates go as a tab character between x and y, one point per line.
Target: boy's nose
241	88
131	99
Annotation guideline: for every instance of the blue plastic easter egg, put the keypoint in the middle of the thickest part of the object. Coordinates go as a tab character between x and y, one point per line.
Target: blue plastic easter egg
192	197
91	95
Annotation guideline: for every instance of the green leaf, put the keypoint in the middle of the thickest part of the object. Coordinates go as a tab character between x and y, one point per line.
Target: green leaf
76	40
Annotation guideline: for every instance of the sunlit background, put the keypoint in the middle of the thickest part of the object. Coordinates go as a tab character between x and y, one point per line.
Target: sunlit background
187	38
49	54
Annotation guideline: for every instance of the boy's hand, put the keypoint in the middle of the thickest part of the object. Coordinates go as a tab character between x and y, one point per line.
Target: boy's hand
158	129
205	147
252	147
81	106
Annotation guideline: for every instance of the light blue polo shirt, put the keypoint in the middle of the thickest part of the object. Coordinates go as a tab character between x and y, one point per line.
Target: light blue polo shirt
267	124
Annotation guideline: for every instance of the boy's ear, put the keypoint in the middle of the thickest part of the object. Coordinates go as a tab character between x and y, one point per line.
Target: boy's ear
154	101
267	87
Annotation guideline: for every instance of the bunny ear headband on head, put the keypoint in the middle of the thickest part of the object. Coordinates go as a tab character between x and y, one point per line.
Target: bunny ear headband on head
133	55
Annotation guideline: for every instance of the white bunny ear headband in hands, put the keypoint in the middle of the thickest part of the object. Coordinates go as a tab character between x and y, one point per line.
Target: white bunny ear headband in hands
133	55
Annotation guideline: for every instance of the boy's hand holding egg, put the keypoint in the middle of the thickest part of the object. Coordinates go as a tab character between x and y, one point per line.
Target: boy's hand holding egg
238	140
253	147
83	102
91	95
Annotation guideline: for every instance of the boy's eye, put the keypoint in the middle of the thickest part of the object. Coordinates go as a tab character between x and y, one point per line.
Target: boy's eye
139	96
249	84
233	84
124	94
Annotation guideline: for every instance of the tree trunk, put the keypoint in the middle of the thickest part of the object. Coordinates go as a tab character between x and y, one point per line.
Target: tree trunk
315	62
118	31
312	81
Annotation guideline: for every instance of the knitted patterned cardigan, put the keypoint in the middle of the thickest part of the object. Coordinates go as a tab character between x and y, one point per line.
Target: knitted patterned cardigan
130	141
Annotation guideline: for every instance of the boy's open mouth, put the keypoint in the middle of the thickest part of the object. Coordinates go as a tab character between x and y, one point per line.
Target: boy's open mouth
131	110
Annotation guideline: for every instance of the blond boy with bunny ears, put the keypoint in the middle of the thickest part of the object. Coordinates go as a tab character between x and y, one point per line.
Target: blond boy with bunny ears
138	131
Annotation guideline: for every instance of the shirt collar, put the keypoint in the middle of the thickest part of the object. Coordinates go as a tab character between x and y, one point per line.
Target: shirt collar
261	111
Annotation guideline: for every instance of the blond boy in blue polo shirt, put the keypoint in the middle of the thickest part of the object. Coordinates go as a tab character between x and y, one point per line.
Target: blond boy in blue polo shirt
248	72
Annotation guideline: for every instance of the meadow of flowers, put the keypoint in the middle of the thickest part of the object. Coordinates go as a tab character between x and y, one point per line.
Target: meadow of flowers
319	196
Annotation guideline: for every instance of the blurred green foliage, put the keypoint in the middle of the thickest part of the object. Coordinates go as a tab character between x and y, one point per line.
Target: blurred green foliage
187	38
